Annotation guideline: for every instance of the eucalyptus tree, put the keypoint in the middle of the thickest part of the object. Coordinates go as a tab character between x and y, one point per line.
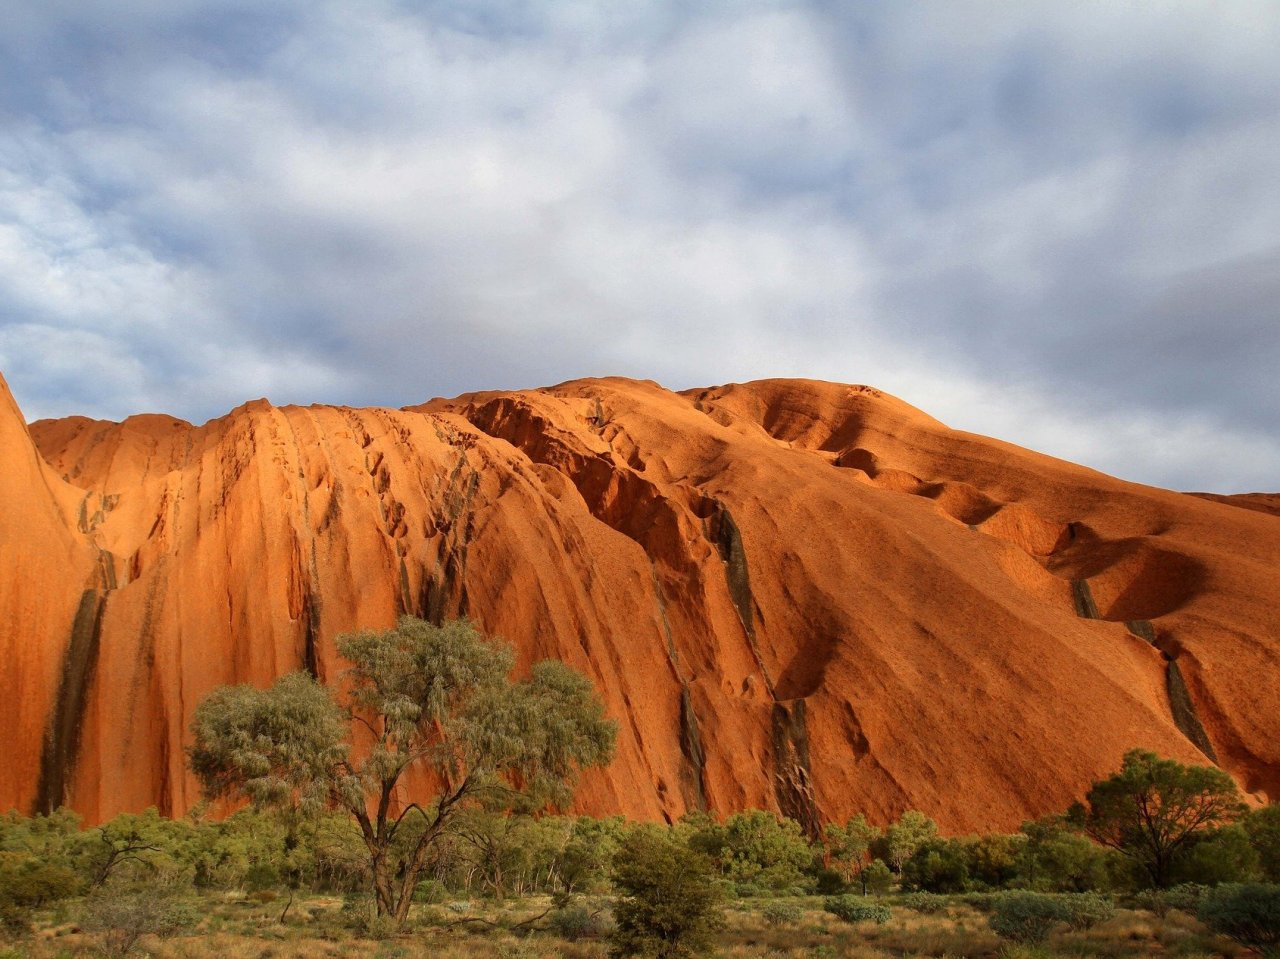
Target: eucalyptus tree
1154	810
436	702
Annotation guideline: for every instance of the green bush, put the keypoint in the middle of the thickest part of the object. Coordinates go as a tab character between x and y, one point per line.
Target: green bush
669	902
428	892
1263	827
1249	913
982	902
937	865
574	922
1025	917
261	876
121	915
1185	897
779	913
927	903
829	882
856	909
1084	910
27	881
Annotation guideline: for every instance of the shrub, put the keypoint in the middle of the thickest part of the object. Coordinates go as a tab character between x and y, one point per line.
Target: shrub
1025	917
1184	897
261	876
778	914
27	881
855	909
1263	827
937	865
1249	913
15	920
828	882
120	916
875	877
428	892
575	922
669	903
927	903
1084	910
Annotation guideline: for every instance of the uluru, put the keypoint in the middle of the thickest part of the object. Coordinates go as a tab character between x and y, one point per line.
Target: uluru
795	595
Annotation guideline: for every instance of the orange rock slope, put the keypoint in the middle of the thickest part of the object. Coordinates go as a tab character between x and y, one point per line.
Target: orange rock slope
793	595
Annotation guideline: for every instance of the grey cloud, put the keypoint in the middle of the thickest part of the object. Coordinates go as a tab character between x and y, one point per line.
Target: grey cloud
984	211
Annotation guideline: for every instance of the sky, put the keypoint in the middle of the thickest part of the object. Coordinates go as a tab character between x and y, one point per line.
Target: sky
1057	223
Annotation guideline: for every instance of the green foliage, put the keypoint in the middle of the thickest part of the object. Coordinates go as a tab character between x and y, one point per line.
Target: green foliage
856	909
1217	856
29	882
1263	827
1185	897
583	862
904	837
1249	913
669	902
120	915
270	746
926	903
575	921
1025	917
1084	910
756	851
780	913
435	697
133	846
849	845
47	838
1055	858
993	860
1154	809
937	865
875	877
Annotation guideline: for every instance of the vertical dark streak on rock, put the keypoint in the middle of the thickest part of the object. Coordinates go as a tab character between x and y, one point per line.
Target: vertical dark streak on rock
1184	711
404	599
1143	629
727	538
310	635
62	737
724	534
793	780
660	598
1086	608
692	774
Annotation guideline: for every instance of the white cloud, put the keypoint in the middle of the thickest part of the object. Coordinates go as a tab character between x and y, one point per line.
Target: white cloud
983	210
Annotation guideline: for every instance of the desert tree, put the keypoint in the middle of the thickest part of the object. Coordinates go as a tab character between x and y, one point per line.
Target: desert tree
1153	810
419	697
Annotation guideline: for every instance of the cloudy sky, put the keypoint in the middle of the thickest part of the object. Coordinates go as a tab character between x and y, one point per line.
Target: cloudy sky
1053	222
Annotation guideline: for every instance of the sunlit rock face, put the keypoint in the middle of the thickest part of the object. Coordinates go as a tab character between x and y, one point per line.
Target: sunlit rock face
801	596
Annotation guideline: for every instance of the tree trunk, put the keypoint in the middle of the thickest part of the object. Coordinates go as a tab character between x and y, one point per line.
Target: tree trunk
383	893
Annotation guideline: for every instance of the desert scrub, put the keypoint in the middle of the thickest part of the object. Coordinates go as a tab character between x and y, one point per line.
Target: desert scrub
1084	910
1184	897
119	916
1249	913
855	909
1026	918
777	914
575	921
925	903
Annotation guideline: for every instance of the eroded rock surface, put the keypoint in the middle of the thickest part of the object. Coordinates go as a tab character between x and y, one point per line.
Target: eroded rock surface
793	595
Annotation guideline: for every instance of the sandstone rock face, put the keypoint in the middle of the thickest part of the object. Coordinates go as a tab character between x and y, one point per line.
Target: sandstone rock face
793	595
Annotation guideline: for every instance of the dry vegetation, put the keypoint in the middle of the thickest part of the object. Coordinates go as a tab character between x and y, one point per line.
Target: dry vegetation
238	927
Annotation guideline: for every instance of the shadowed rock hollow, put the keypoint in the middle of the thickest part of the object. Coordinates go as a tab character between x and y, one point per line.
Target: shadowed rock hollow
794	595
